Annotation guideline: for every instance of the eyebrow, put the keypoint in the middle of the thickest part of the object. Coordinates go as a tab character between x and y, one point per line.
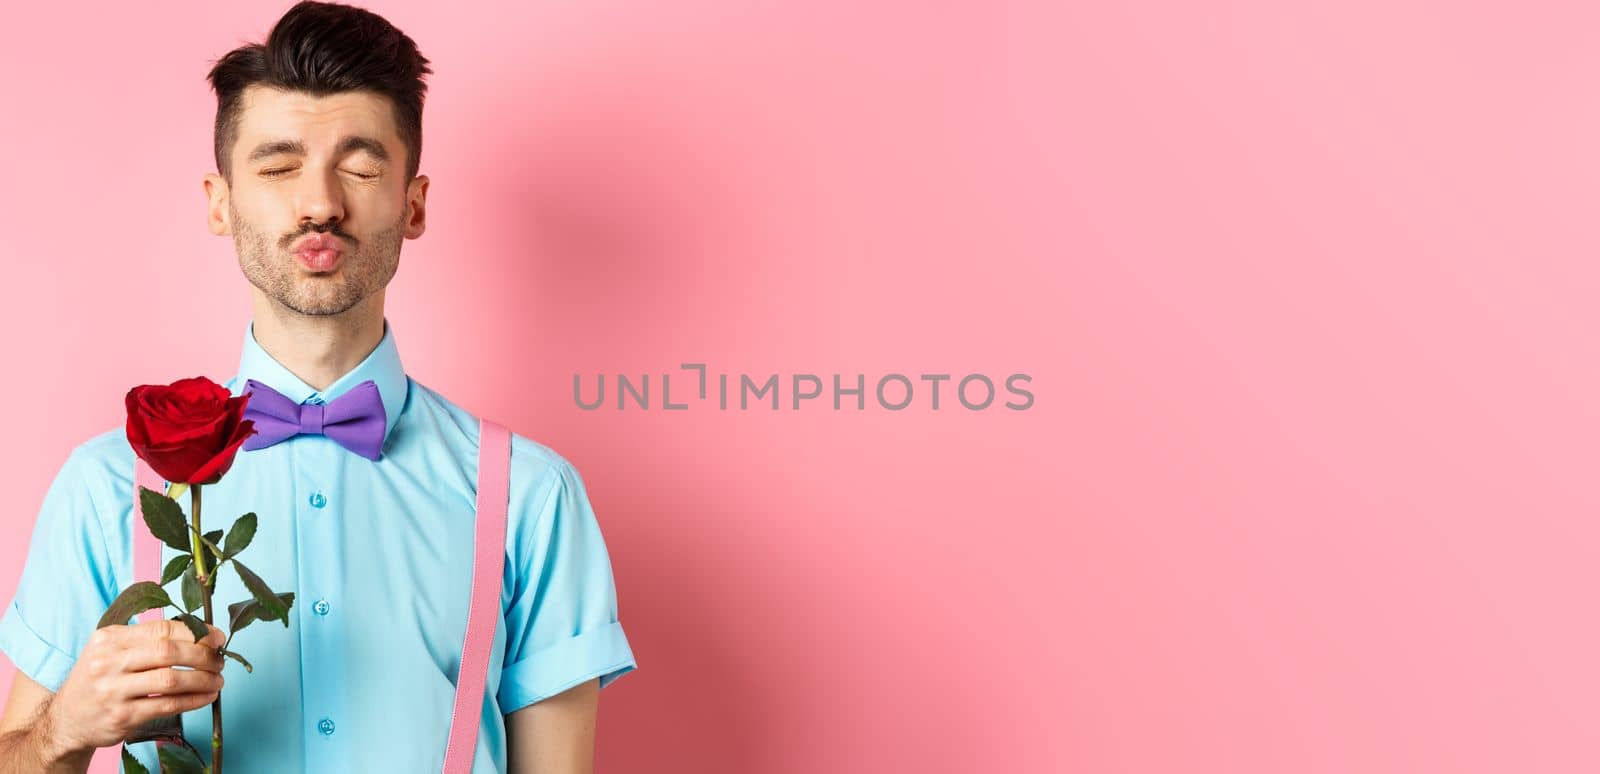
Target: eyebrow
297	148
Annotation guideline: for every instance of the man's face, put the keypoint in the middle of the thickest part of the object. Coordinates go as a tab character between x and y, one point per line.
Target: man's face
329	167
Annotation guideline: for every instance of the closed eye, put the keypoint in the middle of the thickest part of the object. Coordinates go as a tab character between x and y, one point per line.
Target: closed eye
277	172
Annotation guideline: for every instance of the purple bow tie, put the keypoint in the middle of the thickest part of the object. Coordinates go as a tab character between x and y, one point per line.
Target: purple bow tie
355	420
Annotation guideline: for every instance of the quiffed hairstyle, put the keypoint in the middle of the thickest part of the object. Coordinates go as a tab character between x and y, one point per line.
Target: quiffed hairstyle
321	49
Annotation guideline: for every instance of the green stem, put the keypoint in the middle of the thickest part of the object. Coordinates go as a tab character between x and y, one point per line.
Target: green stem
194	532
200	571
203	575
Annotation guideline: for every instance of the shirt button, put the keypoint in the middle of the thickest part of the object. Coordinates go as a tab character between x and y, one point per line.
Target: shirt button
325	726
321	607
317	500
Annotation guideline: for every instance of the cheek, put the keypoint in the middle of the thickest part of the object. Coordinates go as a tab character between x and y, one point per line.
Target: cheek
385	206
254	209
378	217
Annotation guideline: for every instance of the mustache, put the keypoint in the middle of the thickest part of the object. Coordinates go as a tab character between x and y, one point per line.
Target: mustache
332	229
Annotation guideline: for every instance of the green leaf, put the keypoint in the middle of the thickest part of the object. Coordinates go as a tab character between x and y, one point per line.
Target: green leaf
195	625
130	764
212	561
134	600
175	568
273	607
240	659
204	537
239	534
179	760
165	518
242	614
192	599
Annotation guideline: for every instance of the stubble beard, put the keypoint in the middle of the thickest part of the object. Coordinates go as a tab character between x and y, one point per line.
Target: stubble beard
275	272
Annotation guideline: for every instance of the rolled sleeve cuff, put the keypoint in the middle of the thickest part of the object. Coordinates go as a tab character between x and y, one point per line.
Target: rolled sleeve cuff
601	652
32	655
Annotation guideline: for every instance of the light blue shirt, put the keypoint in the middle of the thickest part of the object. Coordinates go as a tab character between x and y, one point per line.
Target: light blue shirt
379	556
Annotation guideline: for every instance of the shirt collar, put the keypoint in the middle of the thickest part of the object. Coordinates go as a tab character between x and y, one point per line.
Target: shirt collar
382	366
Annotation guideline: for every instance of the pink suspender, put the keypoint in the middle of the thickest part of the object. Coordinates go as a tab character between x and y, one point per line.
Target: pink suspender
146	549
483	611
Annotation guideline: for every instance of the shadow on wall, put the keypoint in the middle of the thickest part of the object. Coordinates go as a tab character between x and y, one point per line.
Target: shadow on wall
623	222
613	223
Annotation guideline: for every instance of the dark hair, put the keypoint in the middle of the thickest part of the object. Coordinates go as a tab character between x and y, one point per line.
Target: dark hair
321	49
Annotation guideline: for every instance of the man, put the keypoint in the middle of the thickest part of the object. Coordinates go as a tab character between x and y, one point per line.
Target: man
317	143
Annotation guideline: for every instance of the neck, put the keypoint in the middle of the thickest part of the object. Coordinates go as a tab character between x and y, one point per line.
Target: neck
318	348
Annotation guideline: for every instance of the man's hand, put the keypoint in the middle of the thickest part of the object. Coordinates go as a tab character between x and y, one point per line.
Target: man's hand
107	694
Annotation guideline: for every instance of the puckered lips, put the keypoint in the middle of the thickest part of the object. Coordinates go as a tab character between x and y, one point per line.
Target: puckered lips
319	252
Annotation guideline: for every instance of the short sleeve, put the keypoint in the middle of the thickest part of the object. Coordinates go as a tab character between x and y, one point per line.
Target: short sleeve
66	583
561	623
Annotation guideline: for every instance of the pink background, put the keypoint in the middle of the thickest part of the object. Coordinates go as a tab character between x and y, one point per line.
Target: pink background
1307	296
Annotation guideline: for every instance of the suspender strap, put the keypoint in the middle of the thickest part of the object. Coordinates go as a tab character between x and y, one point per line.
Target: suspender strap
146	549
483	613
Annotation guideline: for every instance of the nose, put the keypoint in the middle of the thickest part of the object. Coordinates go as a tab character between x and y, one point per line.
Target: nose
319	199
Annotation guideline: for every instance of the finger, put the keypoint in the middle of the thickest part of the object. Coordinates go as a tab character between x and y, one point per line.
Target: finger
166	681
165	629
168	629
117	635
178	630
154	631
167	653
145	709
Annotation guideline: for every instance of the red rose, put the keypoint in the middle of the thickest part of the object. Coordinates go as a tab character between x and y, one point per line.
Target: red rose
188	431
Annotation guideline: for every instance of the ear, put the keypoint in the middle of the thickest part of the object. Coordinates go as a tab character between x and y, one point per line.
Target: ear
217	204
417	207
